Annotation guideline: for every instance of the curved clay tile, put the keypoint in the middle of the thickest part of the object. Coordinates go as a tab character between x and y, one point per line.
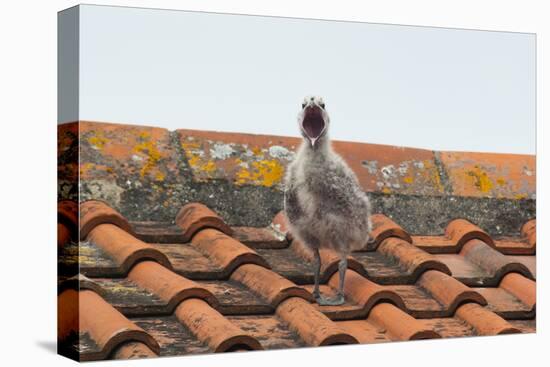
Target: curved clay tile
329	264
94	213
399	325
67	313
448	291
107	327
363	331
260	237
80	282
460	231
125	249
312	326
268	284
523	288
167	285
193	217
492	261
225	251
529	231
329	260
484	321
67	221
133	350
383	227
364	292
280	225
212	328
524	245
416	261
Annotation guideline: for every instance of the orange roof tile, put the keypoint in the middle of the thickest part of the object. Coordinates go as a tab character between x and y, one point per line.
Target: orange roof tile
245	298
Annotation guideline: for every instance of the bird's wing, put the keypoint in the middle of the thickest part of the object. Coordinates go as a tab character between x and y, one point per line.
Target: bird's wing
291	203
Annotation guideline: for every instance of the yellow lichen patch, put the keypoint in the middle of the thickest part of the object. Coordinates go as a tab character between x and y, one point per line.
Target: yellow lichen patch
501	181
408	179
208	167
480	179
193	160
148	148
520	196
98	140
159	176
191	145
264	172
194	157
386	190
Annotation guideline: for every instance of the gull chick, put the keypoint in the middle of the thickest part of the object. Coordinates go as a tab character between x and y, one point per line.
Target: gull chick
323	202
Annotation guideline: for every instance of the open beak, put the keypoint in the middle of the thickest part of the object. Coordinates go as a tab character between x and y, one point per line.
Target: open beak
313	124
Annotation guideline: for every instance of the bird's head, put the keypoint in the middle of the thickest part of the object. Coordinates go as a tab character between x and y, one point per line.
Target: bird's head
313	119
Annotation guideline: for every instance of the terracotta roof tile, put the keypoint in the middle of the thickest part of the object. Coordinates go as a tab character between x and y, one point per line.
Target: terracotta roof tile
398	324
208	291
94	213
271	286
460	231
280	224
484	321
67	221
329	260
133	350
265	237
383	227
312	326
492	261
364	292
100	328
225	251
505	303
449	291
123	249
167	285
525	245
413	260
457	233
523	288
195	216
213	328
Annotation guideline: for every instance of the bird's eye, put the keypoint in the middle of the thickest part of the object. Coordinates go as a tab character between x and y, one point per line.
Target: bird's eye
322	105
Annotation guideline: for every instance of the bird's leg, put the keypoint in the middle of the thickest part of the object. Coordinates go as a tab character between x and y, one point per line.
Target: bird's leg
323	301
342	267
317	271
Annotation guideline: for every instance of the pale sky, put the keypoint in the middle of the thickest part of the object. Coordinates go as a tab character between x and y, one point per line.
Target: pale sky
433	88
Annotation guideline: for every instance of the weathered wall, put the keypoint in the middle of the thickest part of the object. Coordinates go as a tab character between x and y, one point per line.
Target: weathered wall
148	173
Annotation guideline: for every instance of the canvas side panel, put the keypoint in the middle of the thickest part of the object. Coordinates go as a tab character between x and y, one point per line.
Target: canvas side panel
67	182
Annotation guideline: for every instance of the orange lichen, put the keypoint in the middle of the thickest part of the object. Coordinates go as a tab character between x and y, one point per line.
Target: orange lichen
408	179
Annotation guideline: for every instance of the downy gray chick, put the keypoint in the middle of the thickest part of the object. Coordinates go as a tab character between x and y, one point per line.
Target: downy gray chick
324	203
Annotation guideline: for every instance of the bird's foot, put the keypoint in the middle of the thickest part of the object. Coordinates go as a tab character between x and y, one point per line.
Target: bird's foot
324	301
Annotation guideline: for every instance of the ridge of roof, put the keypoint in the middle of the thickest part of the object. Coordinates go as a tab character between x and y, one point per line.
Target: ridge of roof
146	172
